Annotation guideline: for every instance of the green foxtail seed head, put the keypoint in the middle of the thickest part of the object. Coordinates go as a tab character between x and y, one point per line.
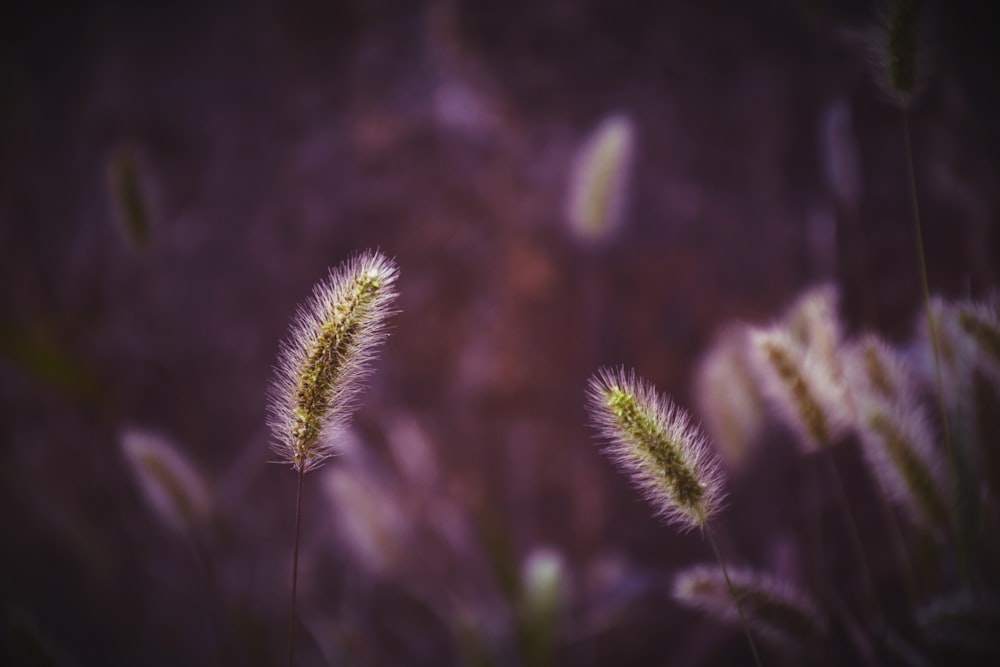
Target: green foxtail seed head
326	356
370	518
901	48
954	350
896	441
799	387
981	323
875	369
772	607
126	184
653	441
599	181
814	324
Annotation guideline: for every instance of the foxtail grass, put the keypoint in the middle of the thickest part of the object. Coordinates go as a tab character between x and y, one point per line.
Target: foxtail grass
170	481
784	616
599	180
667	458
321	367
727	396
804	378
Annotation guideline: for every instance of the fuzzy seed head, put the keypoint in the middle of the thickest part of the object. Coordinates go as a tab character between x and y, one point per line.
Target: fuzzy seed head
955	351
728	397
981	323
171	483
814	324
772	607
327	355
897	443
799	387
599	181
901	47
967	620
653	441
878	373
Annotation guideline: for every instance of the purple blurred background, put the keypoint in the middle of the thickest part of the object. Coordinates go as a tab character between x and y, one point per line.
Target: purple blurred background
274	140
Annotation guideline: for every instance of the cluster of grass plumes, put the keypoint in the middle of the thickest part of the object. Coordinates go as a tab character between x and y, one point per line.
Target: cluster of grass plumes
831	390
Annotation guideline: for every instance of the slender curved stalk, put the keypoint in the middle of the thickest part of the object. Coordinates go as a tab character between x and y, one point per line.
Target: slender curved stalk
295	567
932	333
857	543
732	591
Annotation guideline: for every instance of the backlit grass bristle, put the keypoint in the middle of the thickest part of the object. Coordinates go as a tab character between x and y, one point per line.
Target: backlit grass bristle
654	442
773	608
326	357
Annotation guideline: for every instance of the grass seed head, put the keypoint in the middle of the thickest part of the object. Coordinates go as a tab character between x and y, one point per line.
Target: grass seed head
654	442
327	355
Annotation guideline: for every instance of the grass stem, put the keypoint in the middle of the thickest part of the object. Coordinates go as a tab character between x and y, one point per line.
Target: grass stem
732	592
295	566
852	529
932	333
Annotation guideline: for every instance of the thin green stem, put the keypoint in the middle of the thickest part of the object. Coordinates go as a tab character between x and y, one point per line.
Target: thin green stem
295	566
732	591
932	333
852	529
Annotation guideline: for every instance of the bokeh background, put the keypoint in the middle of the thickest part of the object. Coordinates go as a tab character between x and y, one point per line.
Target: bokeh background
270	141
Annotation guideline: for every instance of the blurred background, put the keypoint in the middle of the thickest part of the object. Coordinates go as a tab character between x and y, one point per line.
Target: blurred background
174	180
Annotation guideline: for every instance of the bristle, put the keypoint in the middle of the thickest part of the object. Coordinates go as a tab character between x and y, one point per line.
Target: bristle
654	442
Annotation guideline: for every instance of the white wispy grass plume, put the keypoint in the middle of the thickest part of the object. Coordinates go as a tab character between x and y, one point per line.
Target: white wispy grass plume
876	372
654	442
981	323
172	484
772	607
800	387
727	395
897	442
326	356
598	189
